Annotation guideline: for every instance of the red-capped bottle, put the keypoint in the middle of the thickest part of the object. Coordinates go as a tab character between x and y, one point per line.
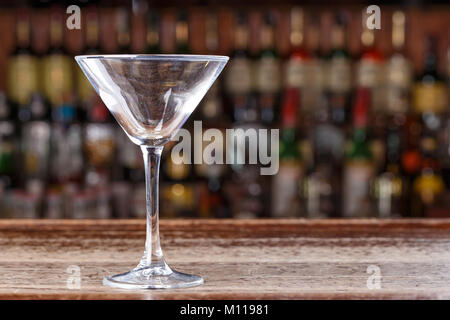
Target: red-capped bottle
286	183
359	169
299	62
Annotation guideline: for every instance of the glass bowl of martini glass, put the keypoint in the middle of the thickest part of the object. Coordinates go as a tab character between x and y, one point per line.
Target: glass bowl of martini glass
151	97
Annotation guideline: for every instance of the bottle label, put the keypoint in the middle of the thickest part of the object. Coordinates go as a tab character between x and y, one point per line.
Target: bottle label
297	73
57	78
286	184
357	179
23	78
238	78
268	78
428	187
399	78
340	75
397	100
311	96
430	97
369	74
399	72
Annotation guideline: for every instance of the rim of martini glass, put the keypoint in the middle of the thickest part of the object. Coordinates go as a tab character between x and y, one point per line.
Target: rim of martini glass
176	57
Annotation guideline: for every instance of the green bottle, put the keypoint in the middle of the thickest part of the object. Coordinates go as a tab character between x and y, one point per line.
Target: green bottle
286	183
359	169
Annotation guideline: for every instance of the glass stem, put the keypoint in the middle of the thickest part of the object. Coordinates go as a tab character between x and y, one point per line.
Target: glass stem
153	255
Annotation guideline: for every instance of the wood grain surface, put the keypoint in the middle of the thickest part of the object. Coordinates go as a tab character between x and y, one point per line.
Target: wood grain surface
239	259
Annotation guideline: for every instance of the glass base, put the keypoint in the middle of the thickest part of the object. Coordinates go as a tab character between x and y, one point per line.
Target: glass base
153	278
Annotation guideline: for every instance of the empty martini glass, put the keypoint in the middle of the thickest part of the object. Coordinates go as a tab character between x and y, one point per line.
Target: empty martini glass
151	96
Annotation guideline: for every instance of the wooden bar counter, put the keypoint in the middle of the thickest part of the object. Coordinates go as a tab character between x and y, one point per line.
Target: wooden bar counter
239	259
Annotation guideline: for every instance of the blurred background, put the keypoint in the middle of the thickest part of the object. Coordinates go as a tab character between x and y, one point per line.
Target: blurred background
363	114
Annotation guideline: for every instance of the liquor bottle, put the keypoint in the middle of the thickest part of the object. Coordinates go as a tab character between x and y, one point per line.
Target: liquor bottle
359	170
8	145
32	113
388	188
268	73
429	186
429	91
182	34
66	147
369	68
321	188
23	66
339	85
398	70
66	160
152	36
239	84
430	104
99	145
57	65
35	149
369	74
286	183
298	67
410	158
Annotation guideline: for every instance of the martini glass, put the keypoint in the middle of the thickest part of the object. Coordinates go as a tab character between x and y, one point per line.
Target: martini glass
151	97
